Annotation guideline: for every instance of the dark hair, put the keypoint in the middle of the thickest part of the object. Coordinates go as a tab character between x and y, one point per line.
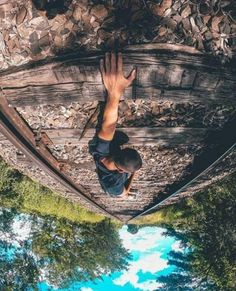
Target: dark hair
129	159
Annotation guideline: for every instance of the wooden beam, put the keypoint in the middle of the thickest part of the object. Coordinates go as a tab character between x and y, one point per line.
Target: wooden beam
164	72
137	136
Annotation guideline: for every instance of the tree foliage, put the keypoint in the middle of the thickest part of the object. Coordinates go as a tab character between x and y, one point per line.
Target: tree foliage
207	227
19	269
20	192
79	252
61	243
61	250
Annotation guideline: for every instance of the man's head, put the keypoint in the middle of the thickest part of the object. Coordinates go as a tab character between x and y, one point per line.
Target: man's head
127	160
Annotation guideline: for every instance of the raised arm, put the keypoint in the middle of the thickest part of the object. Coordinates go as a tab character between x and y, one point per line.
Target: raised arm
115	84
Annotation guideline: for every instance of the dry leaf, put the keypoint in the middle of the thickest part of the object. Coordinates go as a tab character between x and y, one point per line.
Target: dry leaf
186	25
165	4
169	22
162	31
206	18
77	13
215	22
2	43
58	41
167	12
177	18
20	17
44	41
159	9
10	45
69	25
99	11
5	35
194	26
200	45
17	43
186	11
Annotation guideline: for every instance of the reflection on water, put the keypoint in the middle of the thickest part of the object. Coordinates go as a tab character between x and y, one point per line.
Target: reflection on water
64	247
55	254
57	251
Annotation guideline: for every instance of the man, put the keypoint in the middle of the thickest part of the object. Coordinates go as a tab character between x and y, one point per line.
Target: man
114	168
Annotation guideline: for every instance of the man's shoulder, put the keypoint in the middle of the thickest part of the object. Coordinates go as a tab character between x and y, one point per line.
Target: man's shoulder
99	147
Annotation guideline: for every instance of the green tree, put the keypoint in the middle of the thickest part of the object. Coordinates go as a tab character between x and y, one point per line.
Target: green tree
18	266
20	192
79	252
207	226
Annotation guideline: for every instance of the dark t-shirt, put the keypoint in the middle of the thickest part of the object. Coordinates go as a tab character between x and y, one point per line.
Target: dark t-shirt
112	182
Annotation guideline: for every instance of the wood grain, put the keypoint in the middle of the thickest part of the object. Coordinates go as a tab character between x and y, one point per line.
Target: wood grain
163	73
137	136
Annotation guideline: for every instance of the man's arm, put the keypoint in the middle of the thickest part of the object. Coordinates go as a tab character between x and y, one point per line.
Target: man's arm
115	84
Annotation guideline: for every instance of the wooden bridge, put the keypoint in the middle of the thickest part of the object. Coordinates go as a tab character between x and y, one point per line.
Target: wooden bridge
177	160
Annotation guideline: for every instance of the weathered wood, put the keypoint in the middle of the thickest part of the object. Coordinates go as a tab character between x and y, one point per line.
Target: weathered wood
137	136
2	138
164	72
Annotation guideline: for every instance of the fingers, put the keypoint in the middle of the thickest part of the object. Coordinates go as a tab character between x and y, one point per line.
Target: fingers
132	76
110	63
113	63
107	62
120	63
102	68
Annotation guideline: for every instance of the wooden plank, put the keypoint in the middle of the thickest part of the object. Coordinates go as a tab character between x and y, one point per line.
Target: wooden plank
137	136
226	86
159	69
188	78
2	138
56	93
77	92
206	81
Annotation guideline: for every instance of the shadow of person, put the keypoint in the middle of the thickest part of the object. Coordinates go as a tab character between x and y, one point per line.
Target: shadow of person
217	143
120	138
52	7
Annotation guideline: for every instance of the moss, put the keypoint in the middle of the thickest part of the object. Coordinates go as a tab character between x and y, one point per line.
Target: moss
162	216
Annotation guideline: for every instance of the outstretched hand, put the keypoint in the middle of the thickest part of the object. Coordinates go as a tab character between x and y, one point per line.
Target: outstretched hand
113	75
